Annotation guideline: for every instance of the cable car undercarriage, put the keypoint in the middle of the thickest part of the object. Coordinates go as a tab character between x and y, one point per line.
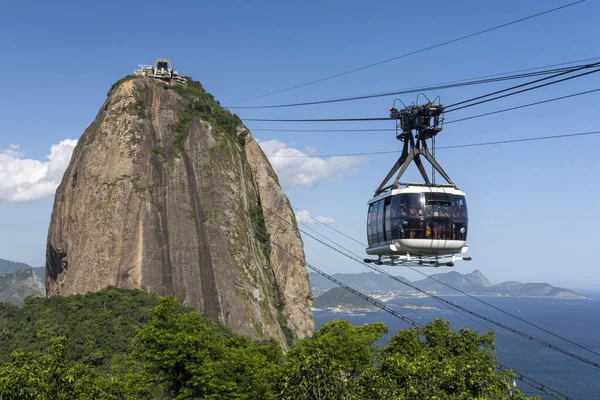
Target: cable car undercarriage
417	224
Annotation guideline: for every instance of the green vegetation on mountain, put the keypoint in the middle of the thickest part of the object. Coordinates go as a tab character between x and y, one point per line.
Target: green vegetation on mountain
99	325
121	344
340	297
204	106
119	82
260	229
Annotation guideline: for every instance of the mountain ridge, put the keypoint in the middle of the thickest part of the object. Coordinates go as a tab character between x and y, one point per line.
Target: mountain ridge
7	266
474	283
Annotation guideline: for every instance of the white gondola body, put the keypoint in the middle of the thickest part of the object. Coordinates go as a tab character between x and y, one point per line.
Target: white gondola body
418	220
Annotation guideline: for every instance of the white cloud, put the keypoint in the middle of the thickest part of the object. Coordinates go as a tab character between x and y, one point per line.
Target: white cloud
23	179
311	149
305	217
295	170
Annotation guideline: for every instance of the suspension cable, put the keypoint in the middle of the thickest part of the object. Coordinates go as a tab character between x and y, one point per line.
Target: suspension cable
529	381
439	86
533	139
518	91
452	107
433	296
412	52
389	119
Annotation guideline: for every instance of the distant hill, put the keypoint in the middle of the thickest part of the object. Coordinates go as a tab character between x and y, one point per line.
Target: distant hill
472	283
368	281
40	272
17	281
16	286
340	297
6	267
534	290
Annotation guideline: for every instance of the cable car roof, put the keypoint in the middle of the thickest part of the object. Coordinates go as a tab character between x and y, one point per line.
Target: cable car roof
418	188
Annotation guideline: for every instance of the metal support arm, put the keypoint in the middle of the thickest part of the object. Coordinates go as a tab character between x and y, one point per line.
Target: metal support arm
415	146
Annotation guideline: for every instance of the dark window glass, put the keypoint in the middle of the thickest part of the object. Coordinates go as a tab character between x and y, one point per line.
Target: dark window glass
373	224
395	211
370	224
459	230
411	216
387	219
460	217
459	207
380	235
438	212
414	204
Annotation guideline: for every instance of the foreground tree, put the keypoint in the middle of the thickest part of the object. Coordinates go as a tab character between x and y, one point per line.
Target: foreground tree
192	357
130	345
435	362
342	362
52	376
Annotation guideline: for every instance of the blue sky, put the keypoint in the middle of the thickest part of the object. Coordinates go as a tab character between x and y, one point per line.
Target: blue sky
534	207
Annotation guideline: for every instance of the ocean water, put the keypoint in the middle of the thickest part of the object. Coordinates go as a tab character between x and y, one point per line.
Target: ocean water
576	320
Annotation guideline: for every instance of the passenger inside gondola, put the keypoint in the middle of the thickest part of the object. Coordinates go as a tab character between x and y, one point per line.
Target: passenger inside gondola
403	210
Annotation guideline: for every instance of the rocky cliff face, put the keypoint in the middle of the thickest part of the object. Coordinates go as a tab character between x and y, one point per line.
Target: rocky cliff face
169	193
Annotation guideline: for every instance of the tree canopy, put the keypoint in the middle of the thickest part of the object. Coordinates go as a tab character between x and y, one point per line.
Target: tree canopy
121	344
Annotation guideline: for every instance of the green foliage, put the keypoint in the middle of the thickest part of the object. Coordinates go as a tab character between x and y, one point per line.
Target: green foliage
119	82
241	140
288	333
120	344
137	108
52	376
260	229
435	362
100	326
351	346
202	105
159	152
186	116
192	357
316	376
282	319
264	237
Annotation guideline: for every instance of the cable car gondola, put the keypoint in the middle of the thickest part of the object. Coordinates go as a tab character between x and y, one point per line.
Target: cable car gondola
422	224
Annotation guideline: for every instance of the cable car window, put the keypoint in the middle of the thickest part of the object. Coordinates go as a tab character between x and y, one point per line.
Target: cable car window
414	204
395	211
411	216
459	230
380	233
459	207
373	224
387	225
459	217
438	204
438	210
369	224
